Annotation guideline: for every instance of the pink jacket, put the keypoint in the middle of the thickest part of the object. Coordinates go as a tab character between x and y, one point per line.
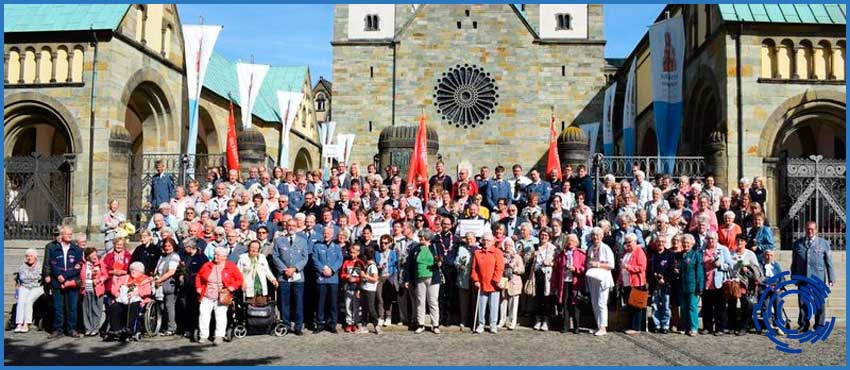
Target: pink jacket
98	279
143	285
637	267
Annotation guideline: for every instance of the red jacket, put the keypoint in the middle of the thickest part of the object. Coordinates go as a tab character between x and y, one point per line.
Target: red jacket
351	267
473	188
488	265
637	267
144	287
97	279
109	265
231	277
579	258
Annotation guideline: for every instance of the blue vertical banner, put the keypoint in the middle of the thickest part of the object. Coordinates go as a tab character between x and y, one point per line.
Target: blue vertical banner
629	113
608	120
667	50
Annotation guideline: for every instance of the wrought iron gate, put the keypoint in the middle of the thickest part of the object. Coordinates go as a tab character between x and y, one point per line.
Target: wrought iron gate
813	189
37	195
143	169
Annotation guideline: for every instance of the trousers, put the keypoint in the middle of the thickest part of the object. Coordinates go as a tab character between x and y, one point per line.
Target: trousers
168	310
327	306
287	293
60	298
208	307
689	321
487	302
427	293
508	309
599	303
352	307
92	311
660	309
26	299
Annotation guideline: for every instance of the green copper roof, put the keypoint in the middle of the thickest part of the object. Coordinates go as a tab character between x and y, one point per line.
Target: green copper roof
785	13
221	79
61	17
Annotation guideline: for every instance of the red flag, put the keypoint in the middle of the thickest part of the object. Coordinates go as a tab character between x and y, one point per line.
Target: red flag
419	161
232	148
553	164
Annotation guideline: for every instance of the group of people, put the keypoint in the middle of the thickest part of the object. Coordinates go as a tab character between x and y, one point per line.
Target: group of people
379	251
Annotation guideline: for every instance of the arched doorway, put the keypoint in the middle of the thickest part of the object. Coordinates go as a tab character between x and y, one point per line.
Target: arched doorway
702	115
805	163
303	161
39	158
147	118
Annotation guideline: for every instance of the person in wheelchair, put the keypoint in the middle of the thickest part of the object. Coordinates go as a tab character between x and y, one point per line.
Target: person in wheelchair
130	295
256	273
216	283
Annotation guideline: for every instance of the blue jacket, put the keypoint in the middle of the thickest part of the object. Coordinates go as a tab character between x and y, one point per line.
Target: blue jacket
392	265
620	239
542	188
723	272
498	189
484	190
760	240
327	254
286	255
296	199
814	261
162	189
56	266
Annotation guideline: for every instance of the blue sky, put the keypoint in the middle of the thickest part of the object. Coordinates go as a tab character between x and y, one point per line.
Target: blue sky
300	34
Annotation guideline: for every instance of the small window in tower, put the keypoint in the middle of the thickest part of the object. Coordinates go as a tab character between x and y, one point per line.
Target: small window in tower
372	23
458	24
563	22
563	123
371	72
467	12
522	7
370	126
563	71
475	24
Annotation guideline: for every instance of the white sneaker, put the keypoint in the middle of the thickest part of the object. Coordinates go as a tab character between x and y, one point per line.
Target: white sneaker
479	330
494	330
387	322
364	330
462	327
419	330
436	330
380	322
537	325
600	332
544	327
378	330
512	327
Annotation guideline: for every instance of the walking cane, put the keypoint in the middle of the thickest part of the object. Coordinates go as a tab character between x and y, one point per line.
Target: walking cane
475	316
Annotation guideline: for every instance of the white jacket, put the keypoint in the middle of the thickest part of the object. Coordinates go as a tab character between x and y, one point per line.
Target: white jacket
245	266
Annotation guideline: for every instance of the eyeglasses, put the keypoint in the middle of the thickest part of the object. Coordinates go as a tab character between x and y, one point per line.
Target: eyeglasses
262	232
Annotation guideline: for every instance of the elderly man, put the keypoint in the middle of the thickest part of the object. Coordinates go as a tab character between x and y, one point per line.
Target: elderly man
253	176
488	265
812	258
219	203
263	186
61	270
168	219
463	178
643	189
233	247
290	256
327	260
162	185
264	220
233	185
518	183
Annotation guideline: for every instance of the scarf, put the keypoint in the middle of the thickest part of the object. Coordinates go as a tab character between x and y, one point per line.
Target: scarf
258	284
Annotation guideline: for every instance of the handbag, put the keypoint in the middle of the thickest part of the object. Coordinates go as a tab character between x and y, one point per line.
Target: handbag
529	286
225	297
638	297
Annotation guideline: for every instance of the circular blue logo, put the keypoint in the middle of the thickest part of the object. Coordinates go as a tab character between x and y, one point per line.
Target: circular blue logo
769	313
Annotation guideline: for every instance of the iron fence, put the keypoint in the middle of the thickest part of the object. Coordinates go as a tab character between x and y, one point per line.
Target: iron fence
813	189
37	195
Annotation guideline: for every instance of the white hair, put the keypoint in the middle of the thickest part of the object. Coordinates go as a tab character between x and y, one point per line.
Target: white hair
662	218
630	236
137	266
640	174
728	214
300	216
597	231
31	251
221	251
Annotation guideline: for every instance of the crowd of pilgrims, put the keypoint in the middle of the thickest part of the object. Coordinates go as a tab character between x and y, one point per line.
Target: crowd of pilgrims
548	250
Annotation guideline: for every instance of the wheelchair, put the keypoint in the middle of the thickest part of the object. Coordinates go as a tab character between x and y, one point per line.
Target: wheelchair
147	323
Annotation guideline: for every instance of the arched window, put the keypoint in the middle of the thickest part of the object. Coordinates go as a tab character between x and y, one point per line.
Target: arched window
372	23
768	59
13	70
320	103
29	66
805	60
786	60
45	65
823	60
563	22
62	64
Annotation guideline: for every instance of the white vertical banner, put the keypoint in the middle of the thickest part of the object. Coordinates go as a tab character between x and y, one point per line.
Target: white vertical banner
591	130
347	142
326	132
667	50
198	41
251	78
629	113
288	103
608	120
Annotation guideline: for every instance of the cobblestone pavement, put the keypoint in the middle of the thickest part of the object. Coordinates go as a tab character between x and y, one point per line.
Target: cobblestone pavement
452	347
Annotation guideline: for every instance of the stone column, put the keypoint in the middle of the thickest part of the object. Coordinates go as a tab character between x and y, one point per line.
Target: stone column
162	43
71	53
799	63
54	56
119	165
772	169
144	25
6	63
21	63
717	159
252	149
37	78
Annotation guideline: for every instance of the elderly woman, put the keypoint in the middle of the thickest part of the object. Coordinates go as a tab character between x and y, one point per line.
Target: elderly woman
691	282
215	284
165	282
662	231
92	277
543	260
758	194
131	293
600	262
657	205
568	279
116	262
463	264
727	233
111	221
255	272
28	290
717	265
633	276
512	276
759	237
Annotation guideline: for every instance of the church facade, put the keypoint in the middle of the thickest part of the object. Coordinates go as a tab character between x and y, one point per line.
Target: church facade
487	77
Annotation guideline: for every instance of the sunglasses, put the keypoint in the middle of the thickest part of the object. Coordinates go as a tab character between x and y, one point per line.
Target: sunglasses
262	232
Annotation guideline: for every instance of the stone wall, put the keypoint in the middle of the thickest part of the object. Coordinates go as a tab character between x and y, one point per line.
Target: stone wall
528	76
